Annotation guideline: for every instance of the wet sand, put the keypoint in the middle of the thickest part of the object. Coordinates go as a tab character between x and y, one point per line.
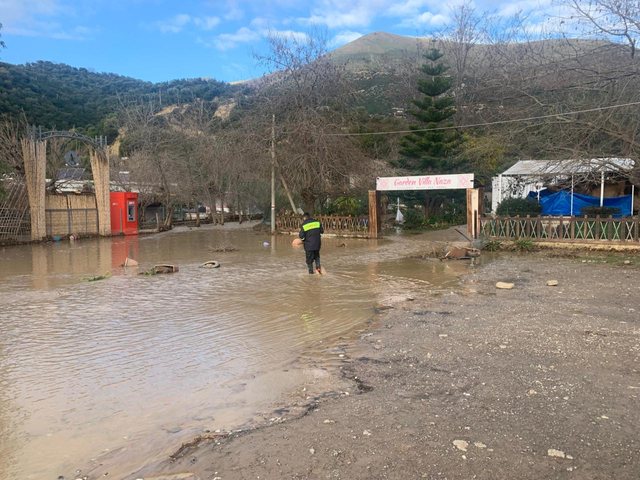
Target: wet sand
537	382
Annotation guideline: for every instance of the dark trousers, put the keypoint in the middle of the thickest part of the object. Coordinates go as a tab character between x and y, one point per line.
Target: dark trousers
311	256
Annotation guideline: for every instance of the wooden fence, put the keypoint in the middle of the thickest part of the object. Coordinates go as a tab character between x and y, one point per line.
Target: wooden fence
342	226
563	229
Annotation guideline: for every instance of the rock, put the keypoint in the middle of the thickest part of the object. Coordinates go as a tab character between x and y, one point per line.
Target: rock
159	269
461	445
552	283
552	452
627	262
366	433
312	451
327	421
504	285
479	445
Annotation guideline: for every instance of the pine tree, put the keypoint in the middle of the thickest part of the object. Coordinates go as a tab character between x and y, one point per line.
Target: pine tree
432	151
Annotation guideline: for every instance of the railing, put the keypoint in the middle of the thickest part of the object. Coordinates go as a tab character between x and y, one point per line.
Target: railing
558	229
347	226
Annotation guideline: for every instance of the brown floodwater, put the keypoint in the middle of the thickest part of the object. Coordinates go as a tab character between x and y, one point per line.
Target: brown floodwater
130	366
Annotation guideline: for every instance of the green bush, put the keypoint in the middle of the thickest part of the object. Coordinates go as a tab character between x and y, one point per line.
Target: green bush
492	246
512	207
601	211
524	245
413	219
347	206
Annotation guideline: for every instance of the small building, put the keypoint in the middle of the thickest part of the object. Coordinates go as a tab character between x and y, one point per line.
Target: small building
598	178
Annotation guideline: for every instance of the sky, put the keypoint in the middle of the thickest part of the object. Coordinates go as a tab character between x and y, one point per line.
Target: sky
161	40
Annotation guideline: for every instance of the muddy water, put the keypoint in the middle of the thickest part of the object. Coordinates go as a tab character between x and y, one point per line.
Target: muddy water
129	366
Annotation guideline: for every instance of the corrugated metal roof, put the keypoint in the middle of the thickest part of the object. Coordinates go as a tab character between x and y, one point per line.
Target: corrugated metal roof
568	167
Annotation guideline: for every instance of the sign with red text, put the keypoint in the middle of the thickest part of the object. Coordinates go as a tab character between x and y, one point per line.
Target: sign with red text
425	182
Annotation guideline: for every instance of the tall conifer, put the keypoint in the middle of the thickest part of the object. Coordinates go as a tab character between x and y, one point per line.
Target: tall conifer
432	151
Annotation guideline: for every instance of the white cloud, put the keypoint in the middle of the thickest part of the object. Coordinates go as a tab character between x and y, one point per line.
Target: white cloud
180	22
340	14
175	24
234	12
288	34
40	18
206	23
343	38
227	41
425	20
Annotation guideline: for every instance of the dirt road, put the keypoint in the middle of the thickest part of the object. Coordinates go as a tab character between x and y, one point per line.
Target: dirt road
537	382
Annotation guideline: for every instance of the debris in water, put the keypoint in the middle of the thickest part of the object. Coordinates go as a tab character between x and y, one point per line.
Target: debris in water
210	264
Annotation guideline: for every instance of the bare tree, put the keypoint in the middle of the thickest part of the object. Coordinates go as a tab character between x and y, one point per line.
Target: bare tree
611	19
309	96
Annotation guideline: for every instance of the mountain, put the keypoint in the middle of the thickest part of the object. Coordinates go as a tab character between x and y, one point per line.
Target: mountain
63	97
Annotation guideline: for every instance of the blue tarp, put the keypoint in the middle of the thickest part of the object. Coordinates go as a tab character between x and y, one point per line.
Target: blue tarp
559	203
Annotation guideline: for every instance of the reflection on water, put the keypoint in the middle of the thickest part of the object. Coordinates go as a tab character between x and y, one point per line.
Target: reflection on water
135	364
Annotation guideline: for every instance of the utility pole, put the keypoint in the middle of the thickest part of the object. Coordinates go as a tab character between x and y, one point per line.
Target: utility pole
273	174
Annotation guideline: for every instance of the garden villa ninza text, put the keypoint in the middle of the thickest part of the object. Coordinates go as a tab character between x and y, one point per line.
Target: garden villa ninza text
425	182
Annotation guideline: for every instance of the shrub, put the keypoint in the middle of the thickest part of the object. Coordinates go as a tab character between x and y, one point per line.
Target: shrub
524	245
512	207
492	246
346	206
601	211
413	219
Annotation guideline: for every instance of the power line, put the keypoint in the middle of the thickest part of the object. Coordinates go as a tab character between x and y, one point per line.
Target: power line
474	125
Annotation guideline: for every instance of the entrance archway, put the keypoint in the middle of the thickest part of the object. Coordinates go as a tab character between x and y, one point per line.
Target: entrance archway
34	154
426	182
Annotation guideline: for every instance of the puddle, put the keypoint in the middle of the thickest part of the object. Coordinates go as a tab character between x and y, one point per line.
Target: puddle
133	365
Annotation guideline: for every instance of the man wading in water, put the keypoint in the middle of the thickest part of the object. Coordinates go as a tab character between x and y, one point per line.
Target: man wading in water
310	235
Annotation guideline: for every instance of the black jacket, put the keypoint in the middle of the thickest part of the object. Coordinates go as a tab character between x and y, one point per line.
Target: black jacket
310	233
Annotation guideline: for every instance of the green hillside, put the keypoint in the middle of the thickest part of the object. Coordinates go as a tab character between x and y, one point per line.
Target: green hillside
63	97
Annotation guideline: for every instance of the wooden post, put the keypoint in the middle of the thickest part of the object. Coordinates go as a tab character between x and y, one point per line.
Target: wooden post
473	212
375	222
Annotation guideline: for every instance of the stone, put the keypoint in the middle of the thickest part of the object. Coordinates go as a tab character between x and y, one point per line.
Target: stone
461	445
366	433
479	445
552	283
504	285
552	452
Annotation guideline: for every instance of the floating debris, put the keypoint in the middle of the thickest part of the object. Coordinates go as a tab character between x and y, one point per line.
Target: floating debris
210	264
98	277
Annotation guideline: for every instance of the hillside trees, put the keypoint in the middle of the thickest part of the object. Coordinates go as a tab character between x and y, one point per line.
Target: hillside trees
63	97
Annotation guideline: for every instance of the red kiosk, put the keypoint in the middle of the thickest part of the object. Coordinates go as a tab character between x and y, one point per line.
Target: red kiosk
124	213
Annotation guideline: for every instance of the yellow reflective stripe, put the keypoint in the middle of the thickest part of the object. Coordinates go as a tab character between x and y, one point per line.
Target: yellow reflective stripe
310	226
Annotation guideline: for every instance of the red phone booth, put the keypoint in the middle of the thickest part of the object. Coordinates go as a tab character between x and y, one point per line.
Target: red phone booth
124	213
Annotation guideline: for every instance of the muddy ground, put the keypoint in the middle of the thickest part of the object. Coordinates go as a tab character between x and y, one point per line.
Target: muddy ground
537	382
